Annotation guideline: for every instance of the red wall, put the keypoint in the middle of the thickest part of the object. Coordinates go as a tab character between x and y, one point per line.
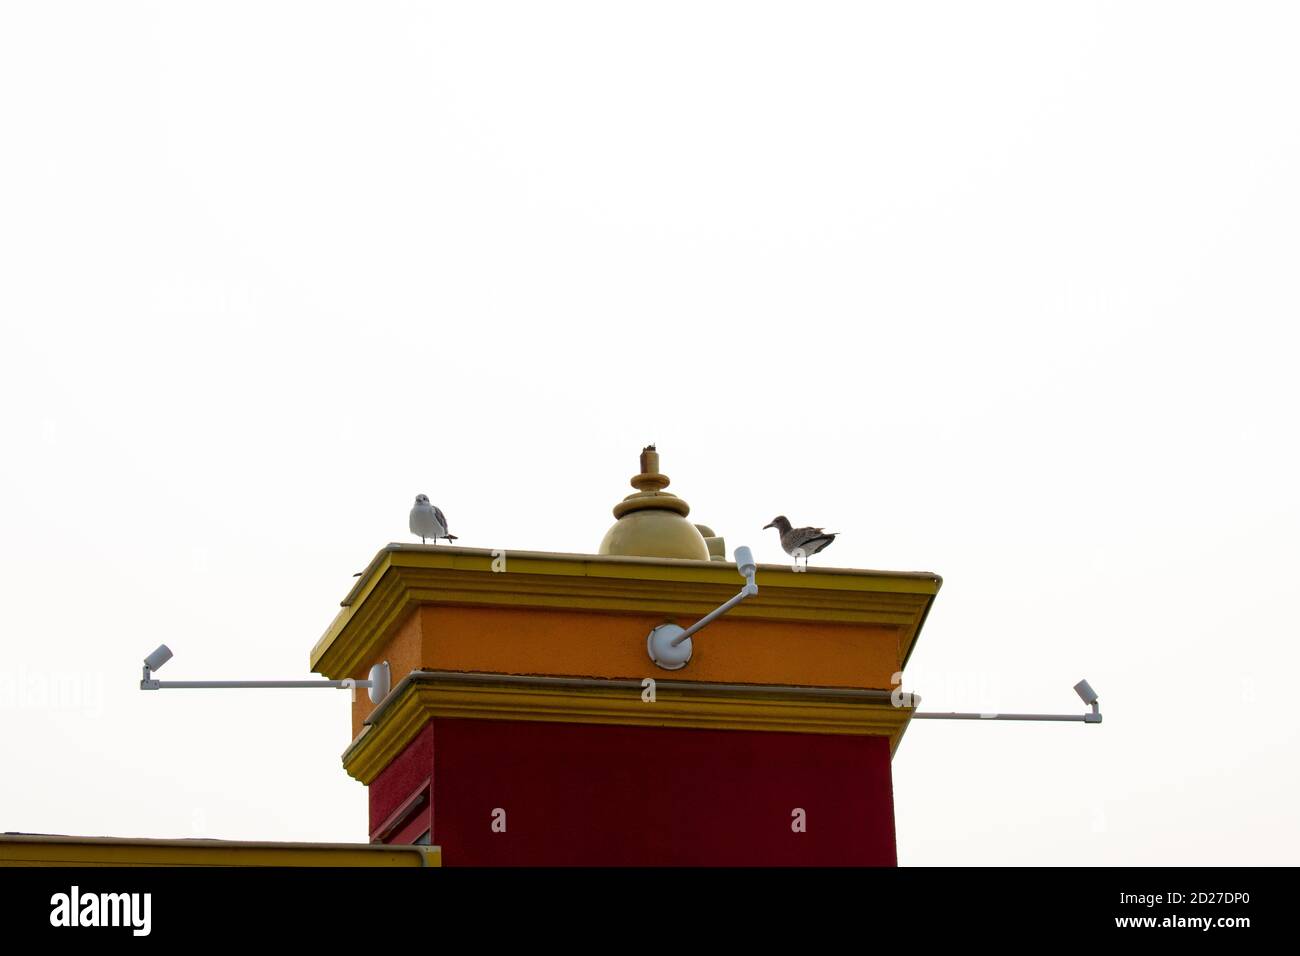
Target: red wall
397	812
602	795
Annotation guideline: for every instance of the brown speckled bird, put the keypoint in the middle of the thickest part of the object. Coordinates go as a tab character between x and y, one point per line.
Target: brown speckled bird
800	542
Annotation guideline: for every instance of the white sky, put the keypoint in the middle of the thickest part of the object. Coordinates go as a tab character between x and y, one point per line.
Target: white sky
1003	291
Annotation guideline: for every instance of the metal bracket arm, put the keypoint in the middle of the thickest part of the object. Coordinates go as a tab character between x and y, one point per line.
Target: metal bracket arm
670	647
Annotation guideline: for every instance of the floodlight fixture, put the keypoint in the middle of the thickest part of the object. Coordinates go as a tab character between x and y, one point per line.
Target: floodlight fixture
669	646
1083	689
158	658
377	683
1085	692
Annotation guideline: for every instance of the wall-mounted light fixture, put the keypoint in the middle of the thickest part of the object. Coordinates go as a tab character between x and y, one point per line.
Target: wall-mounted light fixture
377	685
1083	689
670	646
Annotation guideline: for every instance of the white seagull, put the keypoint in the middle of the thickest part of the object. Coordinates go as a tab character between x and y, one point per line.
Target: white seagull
800	542
428	521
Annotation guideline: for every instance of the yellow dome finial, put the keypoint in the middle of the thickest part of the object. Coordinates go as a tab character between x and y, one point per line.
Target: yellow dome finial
650	478
652	523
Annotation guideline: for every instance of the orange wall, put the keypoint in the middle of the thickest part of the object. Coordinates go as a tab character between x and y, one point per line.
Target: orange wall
595	644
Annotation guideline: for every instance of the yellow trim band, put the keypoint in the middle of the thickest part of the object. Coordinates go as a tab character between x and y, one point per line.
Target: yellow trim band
40	850
424	695
402	577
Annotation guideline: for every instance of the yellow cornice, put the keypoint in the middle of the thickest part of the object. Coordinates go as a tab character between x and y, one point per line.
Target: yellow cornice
423	695
42	850
402	577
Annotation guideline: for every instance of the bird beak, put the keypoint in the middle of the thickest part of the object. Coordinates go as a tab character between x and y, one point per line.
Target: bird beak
768	525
